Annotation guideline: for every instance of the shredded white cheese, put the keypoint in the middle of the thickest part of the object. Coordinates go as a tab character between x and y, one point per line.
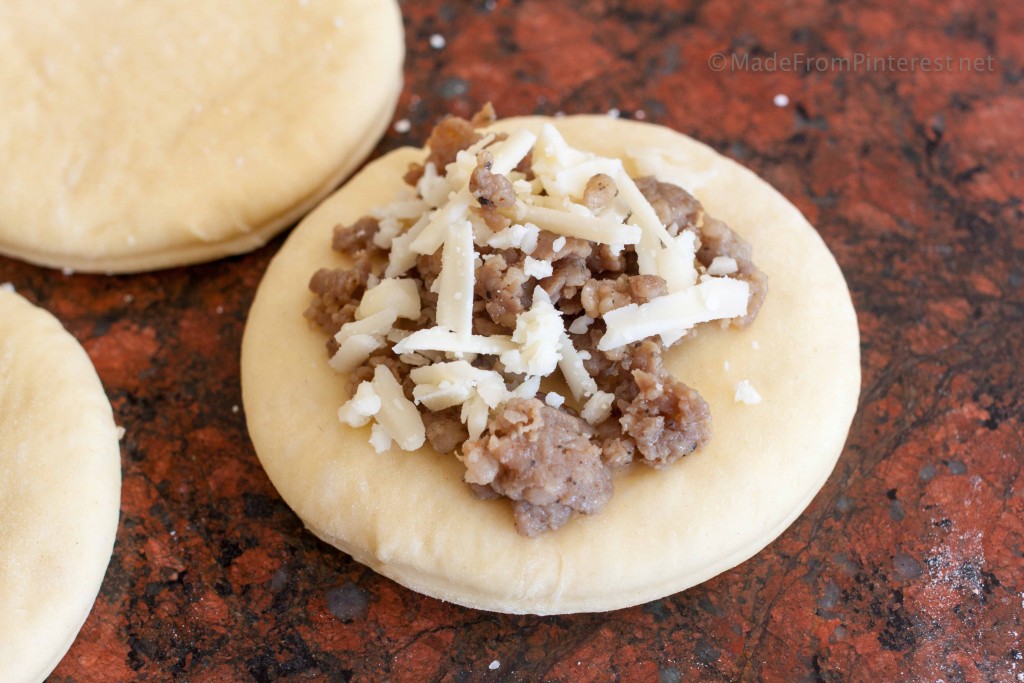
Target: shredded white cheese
581	324
358	410
474	414
598	408
379	438
359	338
356	349
399	295
536	336
554	399
455	382
433	234
443	339
722	265
581	384
402	257
745	393
517	236
537	268
397	416
439	217
455	282
713	299
601	230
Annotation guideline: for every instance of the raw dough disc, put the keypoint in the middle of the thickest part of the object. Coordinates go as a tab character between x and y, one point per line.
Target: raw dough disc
143	135
410	516
60	489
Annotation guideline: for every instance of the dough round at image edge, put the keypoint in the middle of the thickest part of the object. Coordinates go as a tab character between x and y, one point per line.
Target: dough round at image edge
410	516
60	489
161	134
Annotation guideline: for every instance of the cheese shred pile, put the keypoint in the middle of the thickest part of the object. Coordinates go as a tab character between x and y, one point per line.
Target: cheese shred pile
438	217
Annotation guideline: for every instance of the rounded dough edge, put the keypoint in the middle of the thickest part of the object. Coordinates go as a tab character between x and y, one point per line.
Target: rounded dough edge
58	514
187	188
405	514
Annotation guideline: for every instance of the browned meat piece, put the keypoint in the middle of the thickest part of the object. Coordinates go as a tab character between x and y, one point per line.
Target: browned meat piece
603	260
612	370
526	166
666	420
445	430
482	323
540	456
676	207
573	247
503	290
338	292
494	220
491	190
567	276
616	449
413	174
599	193
646	287
660	416
533	520
485	117
600	296
718	239
357	238
448	138
429	267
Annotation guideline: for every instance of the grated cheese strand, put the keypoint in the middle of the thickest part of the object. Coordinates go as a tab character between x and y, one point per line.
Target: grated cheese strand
513	150
599	230
399	295
398	415
402	257
581	384
442	339
644	216
712	299
434	232
455	282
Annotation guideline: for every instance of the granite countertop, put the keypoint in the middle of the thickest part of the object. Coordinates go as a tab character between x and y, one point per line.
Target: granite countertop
908	566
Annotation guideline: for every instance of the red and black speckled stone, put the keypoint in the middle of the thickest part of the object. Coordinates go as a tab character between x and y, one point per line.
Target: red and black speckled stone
910	563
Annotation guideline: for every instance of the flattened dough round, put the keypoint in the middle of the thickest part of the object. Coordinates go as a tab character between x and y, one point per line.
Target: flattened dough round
144	135
60	489
410	516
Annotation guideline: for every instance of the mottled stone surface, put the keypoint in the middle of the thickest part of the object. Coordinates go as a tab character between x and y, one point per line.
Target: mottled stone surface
909	566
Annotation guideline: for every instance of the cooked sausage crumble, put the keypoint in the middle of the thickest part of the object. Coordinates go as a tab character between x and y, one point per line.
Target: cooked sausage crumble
514	307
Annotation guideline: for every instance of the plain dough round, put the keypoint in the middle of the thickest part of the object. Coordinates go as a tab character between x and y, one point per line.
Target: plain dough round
144	135
60	489
410	516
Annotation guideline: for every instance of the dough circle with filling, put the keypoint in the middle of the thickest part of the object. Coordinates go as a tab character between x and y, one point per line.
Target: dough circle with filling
145	135
410	516
60	489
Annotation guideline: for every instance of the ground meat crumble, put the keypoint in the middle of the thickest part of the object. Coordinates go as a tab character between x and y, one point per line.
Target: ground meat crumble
547	460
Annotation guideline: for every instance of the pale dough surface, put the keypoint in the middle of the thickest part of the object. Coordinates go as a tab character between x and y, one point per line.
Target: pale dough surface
60	489
143	135
411	517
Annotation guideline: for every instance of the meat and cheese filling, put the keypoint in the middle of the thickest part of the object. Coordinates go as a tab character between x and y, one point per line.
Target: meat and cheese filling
513	307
